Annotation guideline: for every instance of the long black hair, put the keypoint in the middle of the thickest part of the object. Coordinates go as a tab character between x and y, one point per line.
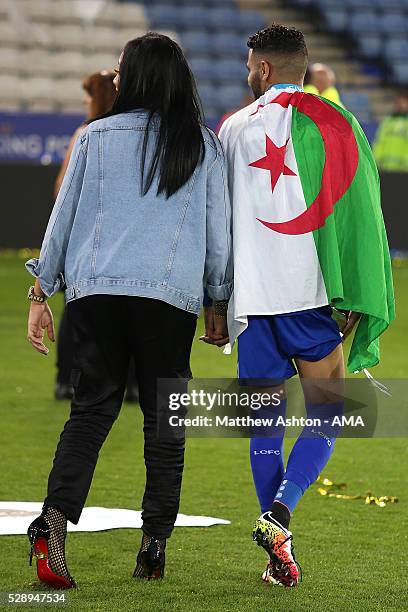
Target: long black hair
155	76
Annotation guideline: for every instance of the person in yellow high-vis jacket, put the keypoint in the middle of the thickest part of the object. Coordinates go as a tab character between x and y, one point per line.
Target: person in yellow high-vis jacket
391	143
322	82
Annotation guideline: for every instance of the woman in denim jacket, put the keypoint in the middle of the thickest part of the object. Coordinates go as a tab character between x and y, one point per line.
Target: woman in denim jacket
140	227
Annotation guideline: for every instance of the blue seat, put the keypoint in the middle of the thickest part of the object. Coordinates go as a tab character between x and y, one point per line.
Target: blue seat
359	4
163	16
390	4
397	48
230	70
303	3
217	3
328	5
158	2
221	18
229	97
355	99
196	42
400	71
393	23
203	68
358	103
194	17
208	94
337	20
251	21
229	44
367	21
370	46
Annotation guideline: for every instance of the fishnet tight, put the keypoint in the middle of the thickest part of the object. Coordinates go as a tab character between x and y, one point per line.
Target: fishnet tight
57	522
161	544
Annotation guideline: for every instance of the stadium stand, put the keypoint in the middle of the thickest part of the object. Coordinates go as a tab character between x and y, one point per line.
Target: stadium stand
49	46
378	29
54	43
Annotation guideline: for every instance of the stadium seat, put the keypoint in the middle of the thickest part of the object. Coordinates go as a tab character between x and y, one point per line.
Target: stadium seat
102	38
96	62
9	34
254	4
217	3
163	16
303	3
358	103
4	9
390	4
67	37
328	5
207	92
229	44
396	49
39	62
358	4
371	46
199	3
366	21
229	97
219	17
123	35
67	11
197	42
129	15
230	70
393	23
10	59
68	63
10	106
251	21
203	68
400	71
337	20
67	90
194	17
41	11
9	88
32	89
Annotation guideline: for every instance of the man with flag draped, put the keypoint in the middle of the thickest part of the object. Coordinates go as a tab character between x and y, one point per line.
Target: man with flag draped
308	236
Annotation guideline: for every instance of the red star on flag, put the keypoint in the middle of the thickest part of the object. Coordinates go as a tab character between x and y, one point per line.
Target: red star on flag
274	161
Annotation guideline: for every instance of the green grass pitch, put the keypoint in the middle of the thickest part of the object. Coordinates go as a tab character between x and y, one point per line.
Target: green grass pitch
353	556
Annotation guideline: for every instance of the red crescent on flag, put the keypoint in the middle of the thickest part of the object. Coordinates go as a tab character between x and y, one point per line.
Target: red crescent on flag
340	165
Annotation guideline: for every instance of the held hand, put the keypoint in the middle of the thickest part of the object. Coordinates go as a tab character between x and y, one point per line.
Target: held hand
220	330
216	331
40	318
352	319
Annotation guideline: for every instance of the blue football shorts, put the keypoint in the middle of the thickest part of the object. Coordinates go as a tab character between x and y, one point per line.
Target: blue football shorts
269	344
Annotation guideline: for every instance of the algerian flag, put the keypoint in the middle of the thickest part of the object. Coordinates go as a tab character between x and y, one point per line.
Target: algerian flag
308	226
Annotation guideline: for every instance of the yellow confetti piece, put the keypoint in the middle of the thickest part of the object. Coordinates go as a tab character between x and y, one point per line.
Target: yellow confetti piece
328	488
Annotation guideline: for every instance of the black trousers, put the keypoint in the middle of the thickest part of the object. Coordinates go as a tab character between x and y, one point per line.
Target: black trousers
65	355
107	330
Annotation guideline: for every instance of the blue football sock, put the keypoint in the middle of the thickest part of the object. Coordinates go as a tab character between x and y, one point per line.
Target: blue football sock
266	455
310	454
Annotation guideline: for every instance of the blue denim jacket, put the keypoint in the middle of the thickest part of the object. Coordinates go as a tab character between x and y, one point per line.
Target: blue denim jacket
103	236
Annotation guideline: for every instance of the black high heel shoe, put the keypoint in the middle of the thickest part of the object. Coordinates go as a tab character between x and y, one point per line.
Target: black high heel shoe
150	559
47	538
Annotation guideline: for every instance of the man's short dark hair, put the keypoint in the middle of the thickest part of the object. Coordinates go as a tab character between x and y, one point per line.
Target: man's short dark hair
278	39
286	42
